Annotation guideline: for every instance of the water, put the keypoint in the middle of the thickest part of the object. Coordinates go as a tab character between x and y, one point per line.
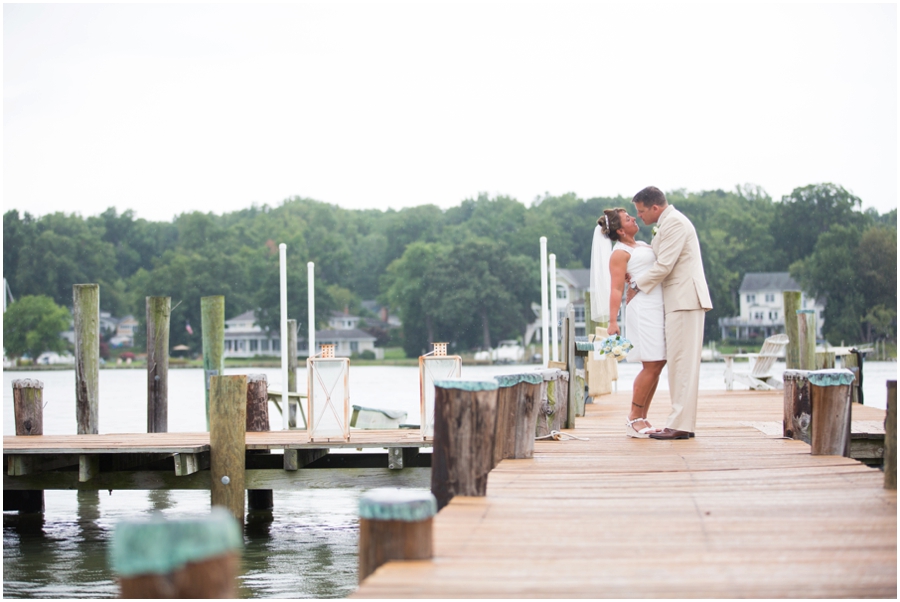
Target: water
308	550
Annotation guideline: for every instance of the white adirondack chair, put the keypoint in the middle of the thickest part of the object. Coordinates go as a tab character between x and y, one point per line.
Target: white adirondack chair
761	376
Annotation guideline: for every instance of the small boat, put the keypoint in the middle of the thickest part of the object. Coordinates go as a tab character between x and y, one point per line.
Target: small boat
375	418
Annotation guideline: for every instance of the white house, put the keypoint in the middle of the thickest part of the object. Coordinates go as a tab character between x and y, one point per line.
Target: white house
244	338
762	306
570	288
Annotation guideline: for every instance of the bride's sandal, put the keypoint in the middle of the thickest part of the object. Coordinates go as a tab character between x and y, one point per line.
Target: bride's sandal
630	431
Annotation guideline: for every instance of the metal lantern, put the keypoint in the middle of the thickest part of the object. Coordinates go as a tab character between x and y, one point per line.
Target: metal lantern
328	388
433	366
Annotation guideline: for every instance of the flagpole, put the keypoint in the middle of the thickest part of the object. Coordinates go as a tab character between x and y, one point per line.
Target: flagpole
285	394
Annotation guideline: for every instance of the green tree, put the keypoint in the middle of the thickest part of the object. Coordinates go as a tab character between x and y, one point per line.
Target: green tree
32	325
809	212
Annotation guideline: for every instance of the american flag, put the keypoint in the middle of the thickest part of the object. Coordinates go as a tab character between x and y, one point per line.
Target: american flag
187	326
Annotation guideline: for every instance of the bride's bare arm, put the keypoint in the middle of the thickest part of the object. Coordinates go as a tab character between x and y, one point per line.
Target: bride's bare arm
618	265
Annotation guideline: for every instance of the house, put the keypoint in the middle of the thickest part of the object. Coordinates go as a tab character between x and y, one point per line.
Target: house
125	329
244	338
571	285
762	307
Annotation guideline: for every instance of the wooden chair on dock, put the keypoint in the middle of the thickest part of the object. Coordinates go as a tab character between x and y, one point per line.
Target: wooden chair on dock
761	375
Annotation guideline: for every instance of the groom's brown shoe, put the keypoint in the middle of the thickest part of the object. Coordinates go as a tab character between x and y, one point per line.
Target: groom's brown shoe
668	434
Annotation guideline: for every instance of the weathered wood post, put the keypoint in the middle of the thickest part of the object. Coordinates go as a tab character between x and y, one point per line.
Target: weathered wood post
158	557
791	328
158	313
86	300
293	364
852	362
518	404
825	360
227	434
465	418
806	322
797	405
830	422
394	524
554	402
572	409
28	411
258	421
212	322
890	437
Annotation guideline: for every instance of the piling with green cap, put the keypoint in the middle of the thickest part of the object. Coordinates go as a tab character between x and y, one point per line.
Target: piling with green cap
553	403
158	557
465	419
518	404
830	422
394	524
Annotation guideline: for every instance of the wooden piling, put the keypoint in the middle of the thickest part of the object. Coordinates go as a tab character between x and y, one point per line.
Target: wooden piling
797	405
158	314
890	437
86	310
394	524
212	323
830	423
28	411
825	360
806	327
791	328
158	557
465	417
258	421
293	364
227	434
572	398
554	398
518	404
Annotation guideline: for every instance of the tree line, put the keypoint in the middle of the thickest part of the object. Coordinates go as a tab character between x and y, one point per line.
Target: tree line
467	275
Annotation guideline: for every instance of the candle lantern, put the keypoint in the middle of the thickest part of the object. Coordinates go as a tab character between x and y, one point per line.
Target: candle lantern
433	366
328	390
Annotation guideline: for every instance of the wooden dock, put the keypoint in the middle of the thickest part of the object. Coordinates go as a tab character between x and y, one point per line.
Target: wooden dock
181	461
737	512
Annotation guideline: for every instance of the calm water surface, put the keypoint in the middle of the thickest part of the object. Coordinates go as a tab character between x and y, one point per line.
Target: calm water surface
309	547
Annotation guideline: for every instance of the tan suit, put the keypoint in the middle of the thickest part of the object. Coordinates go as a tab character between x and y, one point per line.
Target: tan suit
679	268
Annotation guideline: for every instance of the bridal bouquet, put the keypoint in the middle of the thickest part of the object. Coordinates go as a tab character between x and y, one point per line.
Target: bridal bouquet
615	346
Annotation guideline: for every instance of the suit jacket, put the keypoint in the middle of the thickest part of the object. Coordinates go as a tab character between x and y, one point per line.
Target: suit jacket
678	267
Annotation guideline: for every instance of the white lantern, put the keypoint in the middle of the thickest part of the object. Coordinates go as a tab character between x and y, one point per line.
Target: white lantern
328	388
433	366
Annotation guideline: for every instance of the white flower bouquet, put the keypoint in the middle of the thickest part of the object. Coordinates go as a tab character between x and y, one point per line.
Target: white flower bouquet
615	346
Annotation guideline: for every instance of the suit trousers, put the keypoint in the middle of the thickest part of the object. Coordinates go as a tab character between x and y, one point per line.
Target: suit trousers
684	344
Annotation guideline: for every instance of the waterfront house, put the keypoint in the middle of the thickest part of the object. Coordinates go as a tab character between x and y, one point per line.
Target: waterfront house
571	285
762	307
245	338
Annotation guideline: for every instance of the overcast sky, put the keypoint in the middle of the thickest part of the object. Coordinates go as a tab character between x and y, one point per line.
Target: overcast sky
165	109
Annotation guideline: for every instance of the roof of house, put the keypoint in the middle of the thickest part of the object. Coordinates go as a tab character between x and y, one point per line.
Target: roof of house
768	281
347	333
247	316
581	278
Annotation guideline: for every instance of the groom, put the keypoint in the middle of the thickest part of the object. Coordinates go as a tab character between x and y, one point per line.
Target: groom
679	269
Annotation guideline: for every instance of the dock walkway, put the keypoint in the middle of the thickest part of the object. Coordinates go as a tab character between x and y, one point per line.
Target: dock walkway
737	512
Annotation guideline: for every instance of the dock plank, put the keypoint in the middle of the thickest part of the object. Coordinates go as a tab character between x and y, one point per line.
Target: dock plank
736	512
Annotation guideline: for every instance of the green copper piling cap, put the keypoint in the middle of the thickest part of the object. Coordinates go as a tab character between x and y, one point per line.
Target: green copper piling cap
830	378
466	385
158	545
389	503
509	380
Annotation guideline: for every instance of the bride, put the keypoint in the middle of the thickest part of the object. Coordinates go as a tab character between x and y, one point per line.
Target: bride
644	319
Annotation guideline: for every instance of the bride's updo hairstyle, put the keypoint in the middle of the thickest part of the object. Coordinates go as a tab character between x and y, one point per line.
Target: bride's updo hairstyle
610	222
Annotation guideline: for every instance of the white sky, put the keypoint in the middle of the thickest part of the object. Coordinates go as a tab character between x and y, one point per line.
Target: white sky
212	107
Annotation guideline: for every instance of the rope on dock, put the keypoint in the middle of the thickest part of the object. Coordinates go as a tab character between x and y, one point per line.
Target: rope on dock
558	436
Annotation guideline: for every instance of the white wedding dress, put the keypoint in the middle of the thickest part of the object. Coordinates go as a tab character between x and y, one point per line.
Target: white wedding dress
645	314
